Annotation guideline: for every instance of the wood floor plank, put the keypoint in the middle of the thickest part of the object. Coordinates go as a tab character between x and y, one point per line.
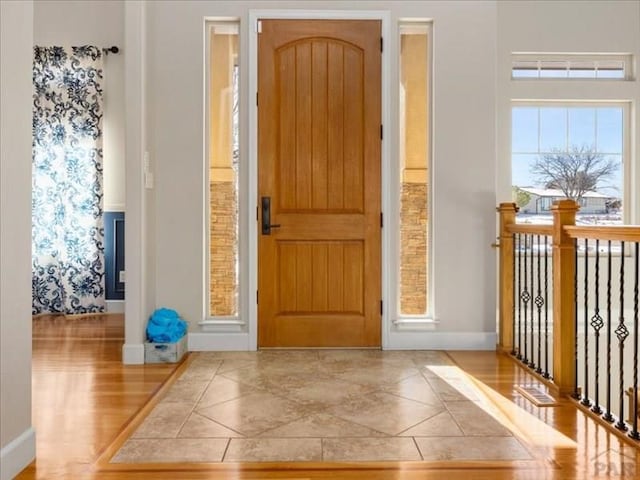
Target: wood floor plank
85	401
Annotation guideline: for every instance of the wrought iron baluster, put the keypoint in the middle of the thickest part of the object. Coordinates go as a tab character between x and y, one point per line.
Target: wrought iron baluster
515	292
576	393
585	396
525	300
546	310
607	416
597	323
539	304
519	355
633	411
531	363
622	333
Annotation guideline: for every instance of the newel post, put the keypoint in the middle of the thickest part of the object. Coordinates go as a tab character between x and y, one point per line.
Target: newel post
564	307
507	213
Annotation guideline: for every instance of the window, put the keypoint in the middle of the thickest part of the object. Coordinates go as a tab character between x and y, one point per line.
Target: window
559	66
569	151
223	156
414	162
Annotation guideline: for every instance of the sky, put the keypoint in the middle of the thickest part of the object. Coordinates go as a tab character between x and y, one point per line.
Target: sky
538	130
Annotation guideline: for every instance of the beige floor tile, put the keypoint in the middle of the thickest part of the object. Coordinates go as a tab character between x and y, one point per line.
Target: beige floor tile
198	426
164	421
186	390
471	448
321	425
222	389
201	369
320	405
427	358
230	365
452	390
231	355
384	412
474	421
253	414
336	359
275	381
289	355
440	425
174	450
369	449
324	391
274	450
375	374
415	388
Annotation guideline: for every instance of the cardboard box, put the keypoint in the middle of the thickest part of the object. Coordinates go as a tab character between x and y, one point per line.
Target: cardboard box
165	352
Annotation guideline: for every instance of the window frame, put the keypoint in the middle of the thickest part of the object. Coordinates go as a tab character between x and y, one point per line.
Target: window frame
566	60
426	321
230	323
629	214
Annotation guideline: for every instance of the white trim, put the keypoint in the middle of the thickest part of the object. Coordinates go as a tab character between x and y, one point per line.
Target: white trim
413	324
442	341
136	204
209	342
400	322
390	45
17	454
222	325
114	207
133	353
115	306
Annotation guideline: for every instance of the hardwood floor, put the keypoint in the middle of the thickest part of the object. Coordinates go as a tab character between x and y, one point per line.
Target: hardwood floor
83	397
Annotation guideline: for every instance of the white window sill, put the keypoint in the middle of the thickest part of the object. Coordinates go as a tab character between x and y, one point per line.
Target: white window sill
226	325
415	324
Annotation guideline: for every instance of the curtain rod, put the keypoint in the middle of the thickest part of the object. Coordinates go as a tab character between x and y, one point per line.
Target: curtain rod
112	49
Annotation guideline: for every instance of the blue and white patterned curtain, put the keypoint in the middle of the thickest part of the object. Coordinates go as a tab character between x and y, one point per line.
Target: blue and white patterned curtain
68	232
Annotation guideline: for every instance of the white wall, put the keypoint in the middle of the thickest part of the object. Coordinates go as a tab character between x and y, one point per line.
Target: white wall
99	23
463	142
17	438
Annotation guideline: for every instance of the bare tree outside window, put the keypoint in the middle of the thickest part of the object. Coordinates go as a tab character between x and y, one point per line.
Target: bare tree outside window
575	172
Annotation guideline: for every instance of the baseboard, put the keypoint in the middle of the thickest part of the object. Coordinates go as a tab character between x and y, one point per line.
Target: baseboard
115	306
211	342
17	454
441	341
133	353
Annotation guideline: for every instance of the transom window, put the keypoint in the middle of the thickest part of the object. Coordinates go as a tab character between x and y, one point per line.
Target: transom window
534	66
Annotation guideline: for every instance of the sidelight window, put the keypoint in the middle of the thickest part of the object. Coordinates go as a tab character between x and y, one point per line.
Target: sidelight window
223	157
414	172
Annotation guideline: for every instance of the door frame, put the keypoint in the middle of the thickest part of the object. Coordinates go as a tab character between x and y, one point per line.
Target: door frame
254	16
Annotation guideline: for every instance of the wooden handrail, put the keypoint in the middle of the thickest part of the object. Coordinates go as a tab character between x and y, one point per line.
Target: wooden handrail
615	233
530	229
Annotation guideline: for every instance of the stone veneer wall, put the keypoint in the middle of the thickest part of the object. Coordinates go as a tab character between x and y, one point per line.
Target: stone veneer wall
413	249
223	248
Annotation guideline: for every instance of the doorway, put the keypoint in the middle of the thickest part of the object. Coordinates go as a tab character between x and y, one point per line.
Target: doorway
319	187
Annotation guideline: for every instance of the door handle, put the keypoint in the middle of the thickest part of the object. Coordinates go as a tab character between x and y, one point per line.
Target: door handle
266	217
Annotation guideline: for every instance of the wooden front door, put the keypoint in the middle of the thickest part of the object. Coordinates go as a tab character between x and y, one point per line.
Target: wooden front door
319	181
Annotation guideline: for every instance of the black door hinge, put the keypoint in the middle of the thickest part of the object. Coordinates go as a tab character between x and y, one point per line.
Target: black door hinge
381	44
256	99
256	297
381	307
381	132
381	220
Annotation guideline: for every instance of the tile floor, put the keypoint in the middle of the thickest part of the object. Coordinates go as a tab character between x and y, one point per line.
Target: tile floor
321	405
